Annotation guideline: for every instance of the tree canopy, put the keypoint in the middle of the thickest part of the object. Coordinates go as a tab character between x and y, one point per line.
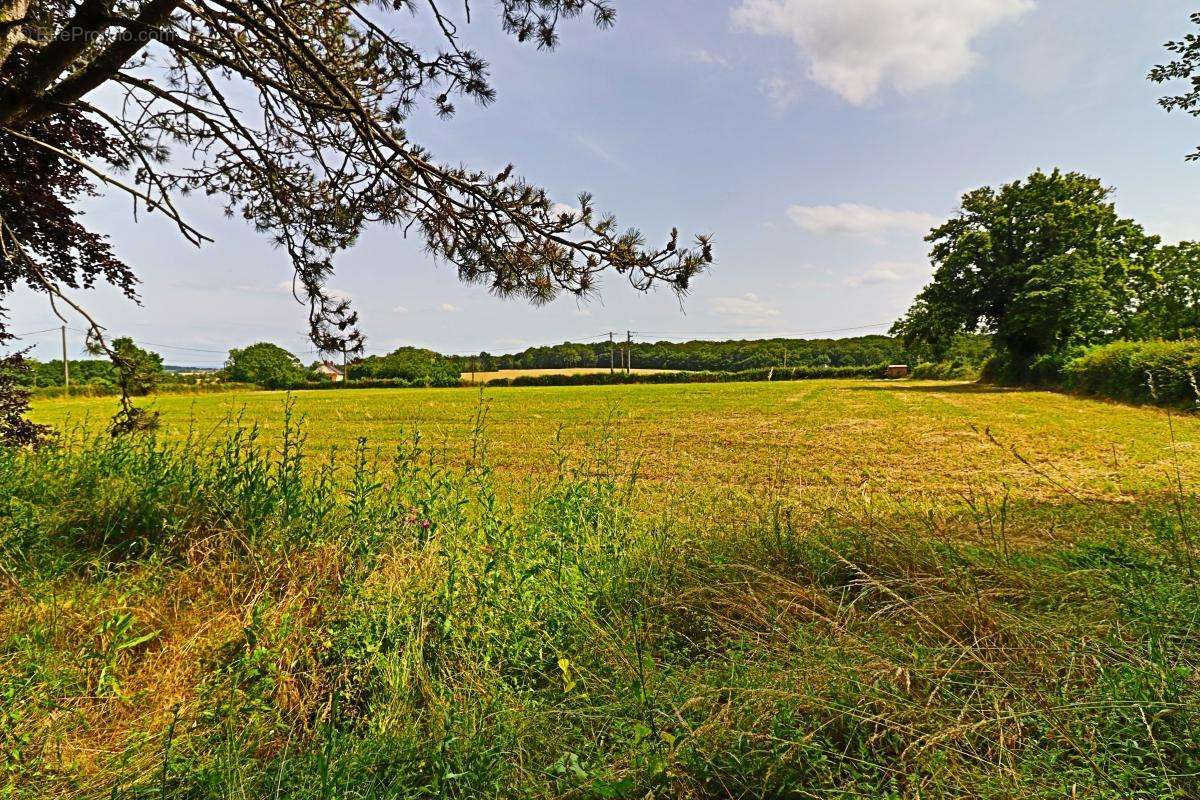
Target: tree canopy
293	115
265	364
1044	264
413	364
1169	303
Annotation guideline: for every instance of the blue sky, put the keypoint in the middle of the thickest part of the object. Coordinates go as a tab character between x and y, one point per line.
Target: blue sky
817	139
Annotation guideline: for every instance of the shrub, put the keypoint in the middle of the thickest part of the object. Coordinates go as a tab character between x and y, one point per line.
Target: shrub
1141	372
1044	371
945	371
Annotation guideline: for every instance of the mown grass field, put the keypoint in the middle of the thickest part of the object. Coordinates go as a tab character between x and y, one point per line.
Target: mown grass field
912	440
813	589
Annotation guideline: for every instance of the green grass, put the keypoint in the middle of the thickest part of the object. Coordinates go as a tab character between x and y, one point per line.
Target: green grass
834	589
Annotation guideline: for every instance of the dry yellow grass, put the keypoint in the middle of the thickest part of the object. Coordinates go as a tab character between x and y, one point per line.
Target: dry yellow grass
484	377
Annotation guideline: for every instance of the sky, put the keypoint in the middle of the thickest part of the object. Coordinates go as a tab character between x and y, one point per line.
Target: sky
817	140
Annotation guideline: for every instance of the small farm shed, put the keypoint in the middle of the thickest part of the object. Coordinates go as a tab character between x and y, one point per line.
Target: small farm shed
896	371
330	371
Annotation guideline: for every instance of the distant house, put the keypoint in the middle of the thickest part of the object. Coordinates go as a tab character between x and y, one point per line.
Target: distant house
328	370
896	371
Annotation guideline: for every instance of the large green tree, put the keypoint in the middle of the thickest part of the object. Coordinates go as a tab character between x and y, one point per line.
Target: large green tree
413	364
1043	264
265	364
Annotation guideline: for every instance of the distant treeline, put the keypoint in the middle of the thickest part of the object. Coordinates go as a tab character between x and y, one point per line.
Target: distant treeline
270	366
699	356
767	374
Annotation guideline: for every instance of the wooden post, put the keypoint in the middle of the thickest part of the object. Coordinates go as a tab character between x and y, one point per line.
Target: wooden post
612	361
66	363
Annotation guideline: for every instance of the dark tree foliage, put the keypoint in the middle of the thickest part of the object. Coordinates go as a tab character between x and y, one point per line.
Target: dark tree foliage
720	356
1184	67
42	241
1045	265
413	364
37	191
265	364
15	430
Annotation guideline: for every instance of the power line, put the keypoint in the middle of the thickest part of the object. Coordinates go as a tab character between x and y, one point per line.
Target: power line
180	347
35	333
165	346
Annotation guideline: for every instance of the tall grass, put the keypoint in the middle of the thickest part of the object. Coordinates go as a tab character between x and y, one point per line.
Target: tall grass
231	617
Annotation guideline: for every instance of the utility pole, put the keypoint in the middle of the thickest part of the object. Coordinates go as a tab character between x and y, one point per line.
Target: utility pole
345	368
628	351
66	363
612	361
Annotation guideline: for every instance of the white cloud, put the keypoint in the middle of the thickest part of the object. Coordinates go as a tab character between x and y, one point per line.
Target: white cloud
889	272
449	308
400	310
782	91
703	56
856	219
856	47
749	309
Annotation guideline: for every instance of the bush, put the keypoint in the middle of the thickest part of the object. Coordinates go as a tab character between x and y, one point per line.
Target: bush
1139	372
945	371
1044	371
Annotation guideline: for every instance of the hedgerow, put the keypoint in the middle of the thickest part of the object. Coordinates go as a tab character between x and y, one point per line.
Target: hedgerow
1165	373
